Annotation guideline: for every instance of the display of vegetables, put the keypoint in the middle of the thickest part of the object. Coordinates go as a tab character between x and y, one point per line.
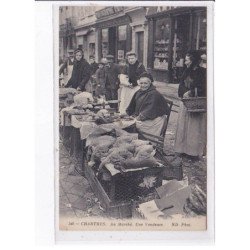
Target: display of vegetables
124	152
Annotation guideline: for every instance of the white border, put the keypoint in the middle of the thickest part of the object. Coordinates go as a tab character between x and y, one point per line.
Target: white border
45	73
44	124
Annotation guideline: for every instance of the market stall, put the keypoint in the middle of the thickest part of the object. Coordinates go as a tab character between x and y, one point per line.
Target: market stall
123	168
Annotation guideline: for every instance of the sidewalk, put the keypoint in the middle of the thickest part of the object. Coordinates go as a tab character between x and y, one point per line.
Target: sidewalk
169	90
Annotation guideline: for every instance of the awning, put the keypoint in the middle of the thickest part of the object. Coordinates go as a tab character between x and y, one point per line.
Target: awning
83	32
163	11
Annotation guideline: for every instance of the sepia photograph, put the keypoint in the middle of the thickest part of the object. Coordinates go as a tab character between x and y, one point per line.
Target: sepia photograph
132	108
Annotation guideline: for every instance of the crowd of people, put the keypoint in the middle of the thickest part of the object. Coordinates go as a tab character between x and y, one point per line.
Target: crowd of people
132	85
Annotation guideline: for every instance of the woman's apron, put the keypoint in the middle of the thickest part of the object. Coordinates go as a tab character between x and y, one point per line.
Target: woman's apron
125	93
69	72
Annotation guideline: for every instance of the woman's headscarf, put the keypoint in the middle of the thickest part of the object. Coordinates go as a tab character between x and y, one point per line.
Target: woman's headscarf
147	75
194	56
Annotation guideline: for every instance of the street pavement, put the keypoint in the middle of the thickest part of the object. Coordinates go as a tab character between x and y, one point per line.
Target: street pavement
76	198
169	90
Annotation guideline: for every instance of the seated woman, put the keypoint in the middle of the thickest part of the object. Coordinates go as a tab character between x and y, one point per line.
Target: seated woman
148	106
190	138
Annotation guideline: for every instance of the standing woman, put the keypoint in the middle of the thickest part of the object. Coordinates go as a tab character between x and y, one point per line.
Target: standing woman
68	65
128	82
81	72
190	138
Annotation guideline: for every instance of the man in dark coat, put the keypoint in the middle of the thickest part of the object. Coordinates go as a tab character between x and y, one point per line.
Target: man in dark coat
93	65
68	62
134	68
112	71
81	72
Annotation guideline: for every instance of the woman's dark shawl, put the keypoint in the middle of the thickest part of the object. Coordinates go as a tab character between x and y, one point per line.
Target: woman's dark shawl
148	104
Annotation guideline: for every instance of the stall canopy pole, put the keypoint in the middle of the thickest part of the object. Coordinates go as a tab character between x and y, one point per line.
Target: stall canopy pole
175	41
198	33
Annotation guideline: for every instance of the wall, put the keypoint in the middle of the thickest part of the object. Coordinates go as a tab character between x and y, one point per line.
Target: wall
139	24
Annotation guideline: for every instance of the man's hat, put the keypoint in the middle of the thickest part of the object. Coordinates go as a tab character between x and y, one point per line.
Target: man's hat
78	50
195	55
103	61
110	57
130	53
70	51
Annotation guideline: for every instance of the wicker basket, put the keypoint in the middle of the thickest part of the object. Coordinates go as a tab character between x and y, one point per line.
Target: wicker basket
195	104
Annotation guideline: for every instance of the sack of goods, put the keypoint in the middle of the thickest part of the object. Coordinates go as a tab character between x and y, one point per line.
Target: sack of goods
83	98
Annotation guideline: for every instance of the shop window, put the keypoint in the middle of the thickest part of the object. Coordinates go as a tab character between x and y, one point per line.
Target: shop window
200	32
121	46
161	44
122	33
181	43
105	40
91	49
79	41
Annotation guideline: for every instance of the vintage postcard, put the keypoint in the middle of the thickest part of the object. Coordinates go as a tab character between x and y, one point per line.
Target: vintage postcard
133	119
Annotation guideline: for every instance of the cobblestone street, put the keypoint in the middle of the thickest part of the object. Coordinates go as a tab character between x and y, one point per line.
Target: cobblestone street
76	197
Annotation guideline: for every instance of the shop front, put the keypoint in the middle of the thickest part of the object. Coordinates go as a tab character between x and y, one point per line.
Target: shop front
67	39
86	40
114	33
139	32
175	31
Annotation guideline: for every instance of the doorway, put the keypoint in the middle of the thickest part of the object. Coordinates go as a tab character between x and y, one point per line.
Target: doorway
140	46
112	41
181	44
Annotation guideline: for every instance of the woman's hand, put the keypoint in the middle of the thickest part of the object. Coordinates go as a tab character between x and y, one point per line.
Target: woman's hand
187	94
122	115
131	85
138	121
188	81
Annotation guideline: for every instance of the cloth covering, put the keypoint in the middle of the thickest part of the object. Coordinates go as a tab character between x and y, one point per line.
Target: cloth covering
83	98
99	130
76	121
113	171
172	200
170	187
149	210
176	200
63	91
